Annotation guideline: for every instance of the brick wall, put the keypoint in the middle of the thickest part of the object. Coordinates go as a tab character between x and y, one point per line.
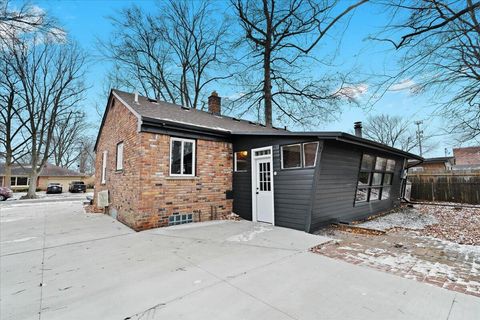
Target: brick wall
468	155
143	195
120	125
162	196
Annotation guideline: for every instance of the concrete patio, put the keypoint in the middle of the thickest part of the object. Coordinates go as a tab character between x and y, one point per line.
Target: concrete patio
59	263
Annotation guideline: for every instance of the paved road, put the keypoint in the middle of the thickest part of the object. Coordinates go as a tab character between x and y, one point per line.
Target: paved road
92	267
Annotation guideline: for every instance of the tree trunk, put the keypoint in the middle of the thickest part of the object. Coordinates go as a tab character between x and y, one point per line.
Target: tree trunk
32	186
8	170
267	84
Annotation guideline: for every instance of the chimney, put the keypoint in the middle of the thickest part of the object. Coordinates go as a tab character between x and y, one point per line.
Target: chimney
215	103
358	128
136	97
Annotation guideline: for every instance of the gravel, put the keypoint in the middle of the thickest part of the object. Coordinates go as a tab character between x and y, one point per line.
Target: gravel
407	218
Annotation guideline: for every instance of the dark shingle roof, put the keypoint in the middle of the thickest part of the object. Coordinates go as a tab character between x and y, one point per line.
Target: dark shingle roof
159	110
49	170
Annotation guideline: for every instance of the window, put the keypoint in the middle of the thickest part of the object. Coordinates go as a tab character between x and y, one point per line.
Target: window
375	179
104	167
310	154
182	157
291	156
302	155
262	152
241	161
180	219
119	156
19	181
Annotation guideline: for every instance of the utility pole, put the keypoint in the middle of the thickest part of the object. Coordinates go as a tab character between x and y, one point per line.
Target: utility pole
419	136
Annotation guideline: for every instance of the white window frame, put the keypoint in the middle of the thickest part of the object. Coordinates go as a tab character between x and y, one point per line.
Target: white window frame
182	140
235	161
281	156
303	154
119	157
104	167
16	181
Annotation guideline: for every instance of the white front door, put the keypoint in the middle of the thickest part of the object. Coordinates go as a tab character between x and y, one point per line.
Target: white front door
262	176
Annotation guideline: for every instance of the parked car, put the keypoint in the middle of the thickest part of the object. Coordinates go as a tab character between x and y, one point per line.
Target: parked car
5	193
54	187
77	186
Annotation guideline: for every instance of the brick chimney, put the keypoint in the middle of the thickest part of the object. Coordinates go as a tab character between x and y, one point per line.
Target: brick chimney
215	103
358	128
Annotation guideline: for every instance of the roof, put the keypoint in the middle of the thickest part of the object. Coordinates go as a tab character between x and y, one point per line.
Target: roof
159	113
49	170
343	137
148	108
438	160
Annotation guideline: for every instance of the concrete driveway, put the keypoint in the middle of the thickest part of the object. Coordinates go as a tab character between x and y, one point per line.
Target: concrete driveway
59	263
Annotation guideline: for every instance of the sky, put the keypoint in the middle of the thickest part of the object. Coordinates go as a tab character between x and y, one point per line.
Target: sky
86	21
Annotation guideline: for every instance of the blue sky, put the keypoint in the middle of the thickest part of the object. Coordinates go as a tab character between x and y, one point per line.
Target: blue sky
86	21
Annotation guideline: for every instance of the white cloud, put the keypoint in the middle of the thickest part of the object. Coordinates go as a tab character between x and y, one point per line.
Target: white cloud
405	84
353	93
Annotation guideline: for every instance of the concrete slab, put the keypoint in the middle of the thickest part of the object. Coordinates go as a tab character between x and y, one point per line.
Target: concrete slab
92	267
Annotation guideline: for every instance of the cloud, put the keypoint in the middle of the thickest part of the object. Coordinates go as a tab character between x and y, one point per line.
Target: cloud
405	84
353	93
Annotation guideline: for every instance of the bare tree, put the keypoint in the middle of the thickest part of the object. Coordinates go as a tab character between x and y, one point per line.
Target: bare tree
50	85
86	161
280	35
67	138
171	55
439	43
394	131
12	125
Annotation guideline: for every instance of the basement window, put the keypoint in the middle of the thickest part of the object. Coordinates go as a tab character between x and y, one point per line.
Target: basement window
241	161
375	179
180	219
182	157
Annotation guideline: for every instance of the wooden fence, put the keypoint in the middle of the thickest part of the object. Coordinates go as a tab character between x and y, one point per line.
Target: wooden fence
451	186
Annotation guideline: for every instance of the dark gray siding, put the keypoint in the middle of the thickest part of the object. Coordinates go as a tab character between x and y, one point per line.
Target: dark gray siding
292	188
336	185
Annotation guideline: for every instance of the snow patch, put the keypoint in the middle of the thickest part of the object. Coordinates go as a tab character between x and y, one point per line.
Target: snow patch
250	234
19	240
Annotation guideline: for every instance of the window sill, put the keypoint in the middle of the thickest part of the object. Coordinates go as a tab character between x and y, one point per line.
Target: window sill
119	171
181	178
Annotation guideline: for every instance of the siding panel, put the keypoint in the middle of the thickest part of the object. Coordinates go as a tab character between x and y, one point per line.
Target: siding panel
336	186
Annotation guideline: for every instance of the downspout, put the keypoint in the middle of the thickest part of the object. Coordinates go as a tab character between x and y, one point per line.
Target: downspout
404	180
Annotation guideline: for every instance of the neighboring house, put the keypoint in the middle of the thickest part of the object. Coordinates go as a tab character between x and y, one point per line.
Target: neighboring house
50	173
467	156
434	165
163	164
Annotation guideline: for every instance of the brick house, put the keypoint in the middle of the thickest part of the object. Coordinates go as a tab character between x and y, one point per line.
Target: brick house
50	174
467	155
162	164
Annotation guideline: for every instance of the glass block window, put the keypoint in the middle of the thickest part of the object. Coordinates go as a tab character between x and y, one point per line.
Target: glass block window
375	179
180	219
